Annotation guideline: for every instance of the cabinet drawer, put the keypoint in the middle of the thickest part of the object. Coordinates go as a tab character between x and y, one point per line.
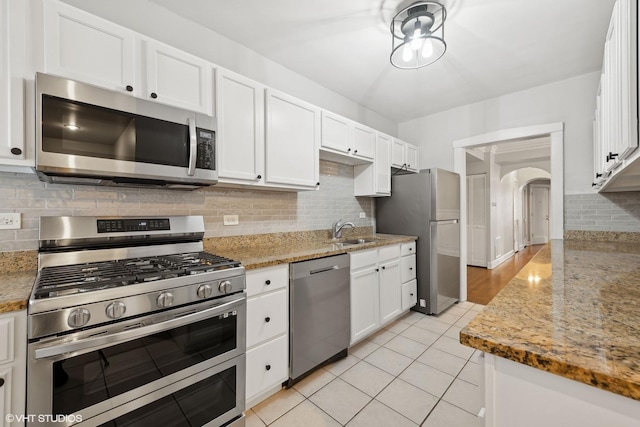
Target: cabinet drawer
409	294
6	340
361	259
267	366
408	249
407	268
388	252
267	279
267	316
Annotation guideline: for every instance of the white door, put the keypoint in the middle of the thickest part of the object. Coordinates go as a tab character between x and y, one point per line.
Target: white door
390	290
292	141
364	303
177	78
84	47
240	112
539	214
477	220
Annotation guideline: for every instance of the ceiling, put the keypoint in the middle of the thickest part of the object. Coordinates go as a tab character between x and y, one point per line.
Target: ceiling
512	155
494	47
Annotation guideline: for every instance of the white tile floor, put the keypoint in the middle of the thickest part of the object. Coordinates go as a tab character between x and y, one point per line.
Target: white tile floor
413	372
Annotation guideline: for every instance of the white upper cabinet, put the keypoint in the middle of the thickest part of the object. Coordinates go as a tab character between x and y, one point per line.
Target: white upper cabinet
404	155
240	136
375	179
292	141
84	47
177	78
345	141
615	127
13	150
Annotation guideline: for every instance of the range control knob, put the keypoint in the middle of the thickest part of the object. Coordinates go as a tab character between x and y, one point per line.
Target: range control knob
204	291
79	317
116	309
165	299
225	287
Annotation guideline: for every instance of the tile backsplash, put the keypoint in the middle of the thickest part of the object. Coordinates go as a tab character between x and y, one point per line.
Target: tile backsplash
602	212
259	211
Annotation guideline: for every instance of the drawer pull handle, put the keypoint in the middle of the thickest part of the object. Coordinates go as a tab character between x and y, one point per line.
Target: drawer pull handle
383	267
410	249
268	282
410	268
268	367
1	382
267	319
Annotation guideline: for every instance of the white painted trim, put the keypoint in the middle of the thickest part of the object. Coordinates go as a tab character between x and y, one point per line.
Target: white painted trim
509	135
500	260
556	131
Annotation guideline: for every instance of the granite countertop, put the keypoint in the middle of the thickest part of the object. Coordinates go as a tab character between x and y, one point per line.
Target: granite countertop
265	255
257	251
15	289
573	310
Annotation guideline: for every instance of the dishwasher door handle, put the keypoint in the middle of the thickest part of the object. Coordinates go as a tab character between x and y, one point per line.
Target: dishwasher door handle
322	270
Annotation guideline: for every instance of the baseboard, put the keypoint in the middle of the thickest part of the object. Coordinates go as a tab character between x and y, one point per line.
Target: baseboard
497	262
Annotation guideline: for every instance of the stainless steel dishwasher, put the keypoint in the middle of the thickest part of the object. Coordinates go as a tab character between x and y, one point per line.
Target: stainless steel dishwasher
319	314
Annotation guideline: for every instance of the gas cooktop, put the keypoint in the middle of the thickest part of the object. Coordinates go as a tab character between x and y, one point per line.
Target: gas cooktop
87	277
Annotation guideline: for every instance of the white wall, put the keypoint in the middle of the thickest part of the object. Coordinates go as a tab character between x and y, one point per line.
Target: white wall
503	210
571	101
159	23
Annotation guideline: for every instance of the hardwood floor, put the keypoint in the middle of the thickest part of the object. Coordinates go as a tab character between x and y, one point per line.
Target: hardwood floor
483	284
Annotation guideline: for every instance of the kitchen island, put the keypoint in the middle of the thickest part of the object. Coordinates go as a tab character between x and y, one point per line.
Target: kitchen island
572	313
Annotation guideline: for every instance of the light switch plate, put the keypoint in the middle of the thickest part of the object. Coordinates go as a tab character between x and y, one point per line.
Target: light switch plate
230	220
9	220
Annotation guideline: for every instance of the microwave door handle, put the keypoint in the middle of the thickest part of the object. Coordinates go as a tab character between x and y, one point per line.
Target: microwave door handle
193	147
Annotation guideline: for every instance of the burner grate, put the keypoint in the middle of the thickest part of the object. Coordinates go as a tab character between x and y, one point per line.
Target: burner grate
77	278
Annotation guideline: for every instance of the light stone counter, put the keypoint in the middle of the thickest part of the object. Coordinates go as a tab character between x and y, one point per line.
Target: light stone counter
15	289
574	311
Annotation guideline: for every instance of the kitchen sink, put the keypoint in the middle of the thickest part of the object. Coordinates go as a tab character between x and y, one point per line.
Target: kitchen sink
354	242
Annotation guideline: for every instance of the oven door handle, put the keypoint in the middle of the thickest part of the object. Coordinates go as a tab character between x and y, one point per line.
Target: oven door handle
119	337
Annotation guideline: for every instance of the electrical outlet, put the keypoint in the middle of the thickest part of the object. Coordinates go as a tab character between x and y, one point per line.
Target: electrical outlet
10	221
363	215
230	220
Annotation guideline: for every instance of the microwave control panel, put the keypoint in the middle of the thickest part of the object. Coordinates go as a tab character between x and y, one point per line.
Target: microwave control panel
206	158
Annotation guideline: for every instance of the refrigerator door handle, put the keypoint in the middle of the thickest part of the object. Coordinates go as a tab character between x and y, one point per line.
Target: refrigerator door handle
449	221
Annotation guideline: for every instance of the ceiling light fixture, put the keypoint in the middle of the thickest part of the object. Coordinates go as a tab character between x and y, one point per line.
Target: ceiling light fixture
417	35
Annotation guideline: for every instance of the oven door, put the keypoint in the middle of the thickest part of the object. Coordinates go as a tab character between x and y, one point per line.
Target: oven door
153	362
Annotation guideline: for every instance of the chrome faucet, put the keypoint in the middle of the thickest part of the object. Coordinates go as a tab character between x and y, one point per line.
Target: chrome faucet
336	228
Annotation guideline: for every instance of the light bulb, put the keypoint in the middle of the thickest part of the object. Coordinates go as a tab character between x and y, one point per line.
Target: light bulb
427	48
407	52
417	40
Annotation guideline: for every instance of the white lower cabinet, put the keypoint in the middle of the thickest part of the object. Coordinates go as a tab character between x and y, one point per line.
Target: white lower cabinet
13	370
376	290
267	332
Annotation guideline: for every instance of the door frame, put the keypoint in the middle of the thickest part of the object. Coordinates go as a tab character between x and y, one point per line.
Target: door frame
556	203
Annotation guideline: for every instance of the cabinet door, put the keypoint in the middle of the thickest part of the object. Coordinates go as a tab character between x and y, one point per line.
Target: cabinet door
177	78
336	132
292	141
411	153
409	294
84	47
364	139
364	303
382	165
5	396
390	282
240	111
397	153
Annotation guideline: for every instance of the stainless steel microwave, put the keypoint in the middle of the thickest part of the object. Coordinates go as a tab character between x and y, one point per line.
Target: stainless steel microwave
89	135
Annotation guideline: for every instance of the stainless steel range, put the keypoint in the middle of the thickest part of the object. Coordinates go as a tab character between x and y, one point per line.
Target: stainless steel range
132	323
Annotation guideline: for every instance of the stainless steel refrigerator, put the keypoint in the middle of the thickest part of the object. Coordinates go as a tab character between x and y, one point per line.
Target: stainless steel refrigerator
427	205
